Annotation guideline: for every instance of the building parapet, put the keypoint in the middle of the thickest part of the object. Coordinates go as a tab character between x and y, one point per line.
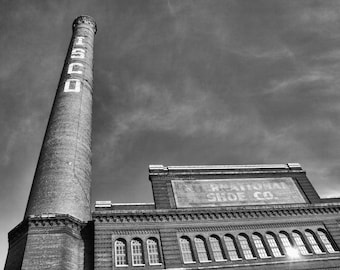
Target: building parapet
222	169
121	206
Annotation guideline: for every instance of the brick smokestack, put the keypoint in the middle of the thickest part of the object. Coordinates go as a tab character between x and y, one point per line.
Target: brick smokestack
62	180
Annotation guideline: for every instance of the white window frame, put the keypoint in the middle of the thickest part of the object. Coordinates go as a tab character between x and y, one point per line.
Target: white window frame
156	247
141	254
123	241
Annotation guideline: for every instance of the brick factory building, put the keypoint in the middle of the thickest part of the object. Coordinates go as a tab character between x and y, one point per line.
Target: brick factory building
203	217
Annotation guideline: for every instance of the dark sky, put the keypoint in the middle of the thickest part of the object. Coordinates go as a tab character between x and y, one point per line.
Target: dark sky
176	83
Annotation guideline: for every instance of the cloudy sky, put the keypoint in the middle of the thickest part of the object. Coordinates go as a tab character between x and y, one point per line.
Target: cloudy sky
180	82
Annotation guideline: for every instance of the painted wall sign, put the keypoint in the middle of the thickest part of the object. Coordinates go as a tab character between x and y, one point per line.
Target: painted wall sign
73	84
233	192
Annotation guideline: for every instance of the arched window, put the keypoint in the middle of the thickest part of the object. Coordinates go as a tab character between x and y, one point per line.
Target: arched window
153	251
201	247
286	241
120	252
273	244
137	252
300	243
327	241
186	249
246	247
314	242
259	244
216	248
232	249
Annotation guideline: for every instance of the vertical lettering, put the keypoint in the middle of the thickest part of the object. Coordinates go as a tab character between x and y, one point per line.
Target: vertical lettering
74	68
72	85
78	53
79	40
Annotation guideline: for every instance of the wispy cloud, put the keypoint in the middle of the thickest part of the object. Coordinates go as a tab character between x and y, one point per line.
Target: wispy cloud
178	82
292	84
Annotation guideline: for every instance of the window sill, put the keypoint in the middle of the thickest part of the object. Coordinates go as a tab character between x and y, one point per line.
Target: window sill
189	262
155	264
208	261
235	260
138	265
125	265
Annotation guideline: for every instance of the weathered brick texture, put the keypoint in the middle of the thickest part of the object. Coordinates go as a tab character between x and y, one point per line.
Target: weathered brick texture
59	202
62	180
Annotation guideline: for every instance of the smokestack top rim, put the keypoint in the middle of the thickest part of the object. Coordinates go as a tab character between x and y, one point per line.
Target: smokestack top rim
85	19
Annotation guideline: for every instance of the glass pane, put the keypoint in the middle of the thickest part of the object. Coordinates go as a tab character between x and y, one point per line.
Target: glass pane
285	241
326	242
247	252
273	245
300	244
216	248
137	252
231	248
313	242
186	250
120	253
153	251
260	246
201	250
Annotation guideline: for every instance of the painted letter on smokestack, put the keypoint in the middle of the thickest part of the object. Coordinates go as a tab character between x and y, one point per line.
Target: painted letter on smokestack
62	179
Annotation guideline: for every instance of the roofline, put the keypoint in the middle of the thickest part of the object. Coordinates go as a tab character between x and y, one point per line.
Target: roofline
196	168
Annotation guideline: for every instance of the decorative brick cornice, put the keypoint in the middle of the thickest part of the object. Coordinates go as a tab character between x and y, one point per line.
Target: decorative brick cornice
85	19
44	221
51	221
189	215
136	232
266	226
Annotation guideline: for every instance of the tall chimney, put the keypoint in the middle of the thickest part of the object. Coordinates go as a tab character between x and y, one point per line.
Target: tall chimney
62	180
56	232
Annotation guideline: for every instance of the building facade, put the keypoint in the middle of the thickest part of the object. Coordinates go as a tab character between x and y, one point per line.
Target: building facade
221	217
203	217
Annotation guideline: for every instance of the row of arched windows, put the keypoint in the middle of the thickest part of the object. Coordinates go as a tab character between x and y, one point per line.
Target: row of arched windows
242	246
136	252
